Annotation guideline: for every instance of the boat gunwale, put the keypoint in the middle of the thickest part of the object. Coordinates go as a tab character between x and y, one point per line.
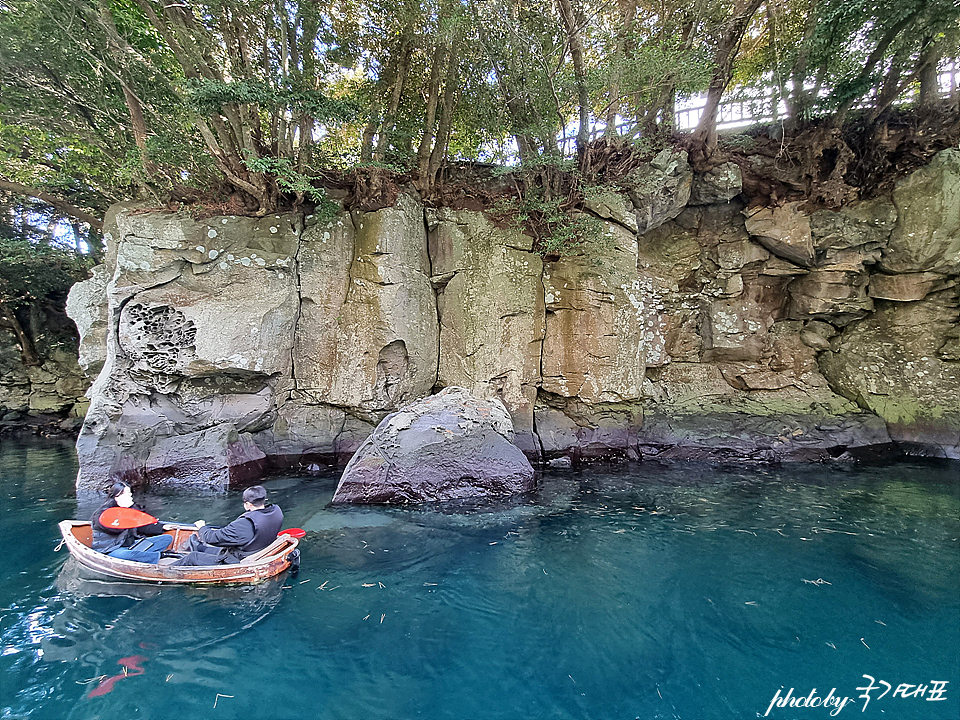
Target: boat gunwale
267	563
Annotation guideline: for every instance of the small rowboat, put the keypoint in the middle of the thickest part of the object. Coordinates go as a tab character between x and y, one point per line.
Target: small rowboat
271	561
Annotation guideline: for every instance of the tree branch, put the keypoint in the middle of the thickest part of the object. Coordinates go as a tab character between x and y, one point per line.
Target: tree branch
60	204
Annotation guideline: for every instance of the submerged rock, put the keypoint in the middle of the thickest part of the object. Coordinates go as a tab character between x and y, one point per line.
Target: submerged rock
445	447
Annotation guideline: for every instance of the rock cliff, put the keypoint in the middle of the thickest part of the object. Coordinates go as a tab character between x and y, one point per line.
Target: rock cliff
696	327
47	397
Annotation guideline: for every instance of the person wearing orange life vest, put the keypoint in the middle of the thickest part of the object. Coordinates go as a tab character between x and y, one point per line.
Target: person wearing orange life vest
142	544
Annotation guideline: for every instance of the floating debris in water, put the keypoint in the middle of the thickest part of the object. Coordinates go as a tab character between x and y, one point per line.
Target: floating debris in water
220	695
91	680
818	581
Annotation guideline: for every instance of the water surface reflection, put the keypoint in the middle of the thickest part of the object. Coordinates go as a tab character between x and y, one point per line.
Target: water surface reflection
682	591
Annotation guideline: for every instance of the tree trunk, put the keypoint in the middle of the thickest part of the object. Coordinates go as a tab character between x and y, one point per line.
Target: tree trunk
390	116
310	28
705	134
571	23
447	104
878	52
119	49
927	74
62	205
889	90
370	131
798	100
430	116
628	12
28	353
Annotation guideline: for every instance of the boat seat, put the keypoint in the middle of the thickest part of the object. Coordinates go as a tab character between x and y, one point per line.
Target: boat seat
268	550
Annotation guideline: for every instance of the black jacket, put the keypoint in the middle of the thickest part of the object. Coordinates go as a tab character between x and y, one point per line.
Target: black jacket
106	539
249	533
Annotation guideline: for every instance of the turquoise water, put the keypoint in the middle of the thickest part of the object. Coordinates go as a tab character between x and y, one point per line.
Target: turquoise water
646	591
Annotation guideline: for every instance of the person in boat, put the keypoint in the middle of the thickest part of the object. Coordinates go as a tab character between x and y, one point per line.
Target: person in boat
256	528
142	544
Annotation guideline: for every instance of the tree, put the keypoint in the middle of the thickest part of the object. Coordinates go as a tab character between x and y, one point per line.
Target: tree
111	99
86	120
831	56
32	273
730	34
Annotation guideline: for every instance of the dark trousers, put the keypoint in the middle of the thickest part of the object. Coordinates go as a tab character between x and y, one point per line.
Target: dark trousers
145	550
199	553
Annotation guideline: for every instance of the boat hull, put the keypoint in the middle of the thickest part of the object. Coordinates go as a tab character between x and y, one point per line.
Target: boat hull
271	561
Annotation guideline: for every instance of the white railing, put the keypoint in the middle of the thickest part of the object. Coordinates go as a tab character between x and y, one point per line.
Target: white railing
742	108
767	107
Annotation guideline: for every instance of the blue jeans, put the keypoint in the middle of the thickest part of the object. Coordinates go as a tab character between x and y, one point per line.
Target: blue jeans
146	550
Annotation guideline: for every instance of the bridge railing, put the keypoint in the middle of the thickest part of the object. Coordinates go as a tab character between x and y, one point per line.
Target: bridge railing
744	107
748	107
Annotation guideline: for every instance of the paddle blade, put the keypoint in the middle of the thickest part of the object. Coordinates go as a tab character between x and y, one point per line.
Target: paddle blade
121	518
293	532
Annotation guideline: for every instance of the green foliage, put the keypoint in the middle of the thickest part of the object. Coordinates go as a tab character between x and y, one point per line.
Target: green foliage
210	96
30	272
289	179
556	231
65	125
848	49
106	100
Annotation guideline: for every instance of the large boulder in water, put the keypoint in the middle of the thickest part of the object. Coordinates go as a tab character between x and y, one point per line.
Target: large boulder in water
445	447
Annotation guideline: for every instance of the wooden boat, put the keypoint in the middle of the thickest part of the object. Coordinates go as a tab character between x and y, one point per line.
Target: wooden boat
271	561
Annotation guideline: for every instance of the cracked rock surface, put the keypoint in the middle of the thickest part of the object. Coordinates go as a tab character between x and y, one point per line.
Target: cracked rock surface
695	329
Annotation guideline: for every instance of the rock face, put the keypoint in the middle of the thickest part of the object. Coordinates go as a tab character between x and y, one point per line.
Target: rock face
191	364
367	332
660	190
902	365
48	397
448	446
695	327
490	310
